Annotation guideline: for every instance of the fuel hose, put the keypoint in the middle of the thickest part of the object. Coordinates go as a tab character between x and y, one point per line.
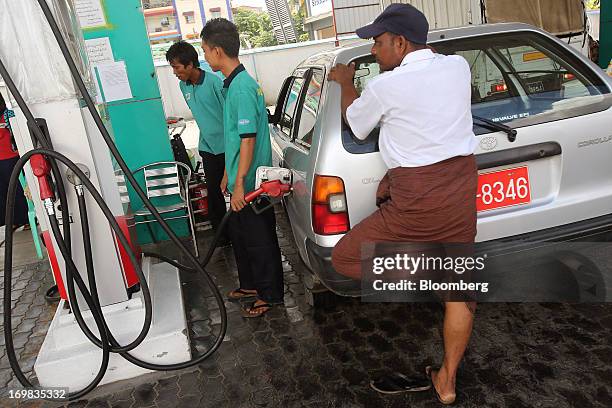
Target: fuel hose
105	341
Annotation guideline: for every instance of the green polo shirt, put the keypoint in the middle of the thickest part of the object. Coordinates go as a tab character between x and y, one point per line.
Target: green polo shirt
205	100
245	115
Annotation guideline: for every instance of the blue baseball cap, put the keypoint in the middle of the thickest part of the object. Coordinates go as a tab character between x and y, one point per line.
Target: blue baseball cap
400	19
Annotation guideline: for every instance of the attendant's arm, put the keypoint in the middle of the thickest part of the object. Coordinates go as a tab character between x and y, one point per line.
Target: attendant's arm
247	147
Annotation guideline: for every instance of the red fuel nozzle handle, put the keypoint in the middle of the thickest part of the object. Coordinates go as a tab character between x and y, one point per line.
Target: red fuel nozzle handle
272	188
42	170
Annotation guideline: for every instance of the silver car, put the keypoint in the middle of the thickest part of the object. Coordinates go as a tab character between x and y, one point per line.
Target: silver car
541	115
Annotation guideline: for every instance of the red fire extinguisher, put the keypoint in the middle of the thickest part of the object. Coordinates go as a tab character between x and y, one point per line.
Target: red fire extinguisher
200	194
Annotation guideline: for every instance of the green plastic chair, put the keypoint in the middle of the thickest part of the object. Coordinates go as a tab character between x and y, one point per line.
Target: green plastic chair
32	219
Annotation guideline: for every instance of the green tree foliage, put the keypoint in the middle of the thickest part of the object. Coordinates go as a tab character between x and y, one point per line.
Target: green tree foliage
255	28
298	21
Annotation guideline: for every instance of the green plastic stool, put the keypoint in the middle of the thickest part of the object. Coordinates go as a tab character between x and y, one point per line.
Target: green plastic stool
32	219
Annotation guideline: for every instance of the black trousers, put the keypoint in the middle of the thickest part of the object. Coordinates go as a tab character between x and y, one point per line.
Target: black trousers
21	206
214	166
258	256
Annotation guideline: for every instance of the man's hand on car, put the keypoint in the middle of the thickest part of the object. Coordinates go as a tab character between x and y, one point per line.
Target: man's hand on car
343	74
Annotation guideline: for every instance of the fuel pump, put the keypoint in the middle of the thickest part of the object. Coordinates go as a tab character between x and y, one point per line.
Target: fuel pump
101	311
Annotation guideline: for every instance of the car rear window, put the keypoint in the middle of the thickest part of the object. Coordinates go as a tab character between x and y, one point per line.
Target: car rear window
523	77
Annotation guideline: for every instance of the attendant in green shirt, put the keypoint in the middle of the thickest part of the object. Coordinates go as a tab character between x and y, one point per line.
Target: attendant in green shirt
203	93
247	147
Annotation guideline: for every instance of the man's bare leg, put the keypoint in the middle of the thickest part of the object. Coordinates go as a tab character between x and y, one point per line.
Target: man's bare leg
458	322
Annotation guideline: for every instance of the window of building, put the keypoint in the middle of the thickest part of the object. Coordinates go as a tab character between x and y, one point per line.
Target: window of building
189	17
215	12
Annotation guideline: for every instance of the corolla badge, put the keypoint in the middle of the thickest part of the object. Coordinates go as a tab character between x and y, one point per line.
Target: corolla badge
488	143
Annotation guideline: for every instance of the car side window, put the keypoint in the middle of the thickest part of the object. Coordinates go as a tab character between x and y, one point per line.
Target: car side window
309	109
366	68
289	107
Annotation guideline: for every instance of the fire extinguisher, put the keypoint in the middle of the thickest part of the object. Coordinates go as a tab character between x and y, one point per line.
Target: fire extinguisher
200	195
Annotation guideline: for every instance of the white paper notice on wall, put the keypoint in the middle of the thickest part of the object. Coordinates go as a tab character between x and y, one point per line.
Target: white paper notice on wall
90	13
114	81
99	51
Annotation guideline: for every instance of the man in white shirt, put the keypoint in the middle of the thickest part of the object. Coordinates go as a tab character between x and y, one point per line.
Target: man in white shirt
422	104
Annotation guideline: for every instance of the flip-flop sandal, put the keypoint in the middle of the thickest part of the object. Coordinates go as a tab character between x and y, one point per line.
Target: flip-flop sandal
428	371
242	294
397	383
247	311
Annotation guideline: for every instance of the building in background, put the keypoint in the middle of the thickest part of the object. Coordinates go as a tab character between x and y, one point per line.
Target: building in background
319	22
173	20
327	18
282	23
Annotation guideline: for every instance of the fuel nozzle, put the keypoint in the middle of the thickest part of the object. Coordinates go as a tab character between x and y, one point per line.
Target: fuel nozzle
274	183
272	189
42	170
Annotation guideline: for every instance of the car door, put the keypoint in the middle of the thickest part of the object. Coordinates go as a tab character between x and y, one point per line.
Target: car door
299	155
290	153
279	139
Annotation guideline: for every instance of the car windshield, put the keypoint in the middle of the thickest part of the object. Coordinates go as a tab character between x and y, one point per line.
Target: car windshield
520	78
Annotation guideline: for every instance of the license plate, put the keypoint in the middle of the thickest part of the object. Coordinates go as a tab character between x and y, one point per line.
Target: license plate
504	188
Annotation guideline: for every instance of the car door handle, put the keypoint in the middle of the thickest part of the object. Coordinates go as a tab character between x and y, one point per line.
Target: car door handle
517	155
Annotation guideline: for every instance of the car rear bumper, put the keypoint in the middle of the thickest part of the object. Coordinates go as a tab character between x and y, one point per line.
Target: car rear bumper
592	230
321	265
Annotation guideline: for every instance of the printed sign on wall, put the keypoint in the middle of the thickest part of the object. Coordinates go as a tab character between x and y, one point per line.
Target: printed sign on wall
318	7
90	13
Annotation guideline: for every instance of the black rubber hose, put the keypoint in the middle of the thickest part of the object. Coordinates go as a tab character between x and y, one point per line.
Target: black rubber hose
109	141
209	253
66	226
115	348
134	183
89	265
42	140
123	240
64	242
8	275
71	274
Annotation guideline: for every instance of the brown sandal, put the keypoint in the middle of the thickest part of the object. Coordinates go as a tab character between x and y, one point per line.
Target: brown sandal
256	310
239	293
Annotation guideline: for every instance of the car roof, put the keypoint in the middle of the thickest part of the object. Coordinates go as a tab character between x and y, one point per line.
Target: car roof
351	50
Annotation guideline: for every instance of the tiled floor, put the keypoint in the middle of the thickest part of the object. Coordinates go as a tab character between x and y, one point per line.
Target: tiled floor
521	355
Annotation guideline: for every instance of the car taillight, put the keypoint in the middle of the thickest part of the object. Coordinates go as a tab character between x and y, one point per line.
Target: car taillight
568	77
329	209
499	88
